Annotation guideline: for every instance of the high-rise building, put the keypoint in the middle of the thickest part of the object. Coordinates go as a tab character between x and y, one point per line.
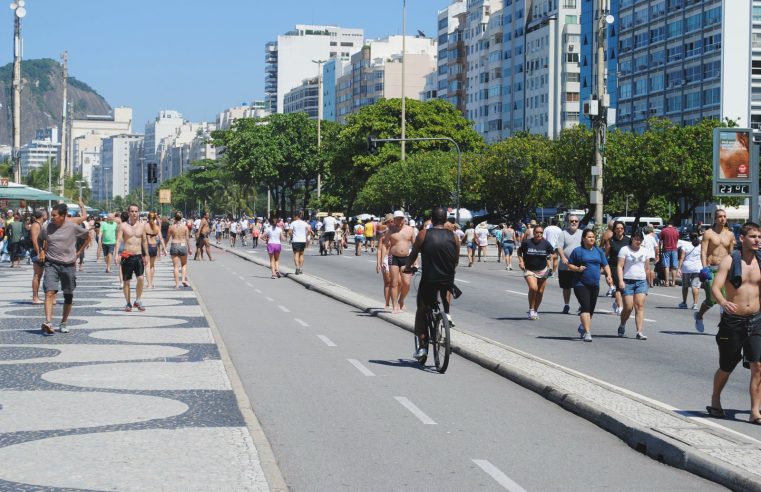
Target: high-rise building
376	73
449	80
303	98
288	60
166	124
40	151
226	118
681	59
87	155
332	70
116	165
98	126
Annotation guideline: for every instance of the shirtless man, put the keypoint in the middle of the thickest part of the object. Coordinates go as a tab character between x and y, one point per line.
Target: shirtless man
739	335
202	242
398	243
718	242
133	259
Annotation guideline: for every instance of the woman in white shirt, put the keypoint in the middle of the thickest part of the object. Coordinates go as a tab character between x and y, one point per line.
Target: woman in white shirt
633	268
482	238
689	269
273	238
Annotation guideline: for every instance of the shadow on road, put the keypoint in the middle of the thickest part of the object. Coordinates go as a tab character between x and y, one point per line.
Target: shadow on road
406	363
671	332
730	414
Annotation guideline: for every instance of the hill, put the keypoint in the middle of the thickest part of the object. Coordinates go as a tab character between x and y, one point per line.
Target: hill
42	98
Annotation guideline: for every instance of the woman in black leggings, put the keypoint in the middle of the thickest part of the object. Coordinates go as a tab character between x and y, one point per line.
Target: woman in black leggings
587	261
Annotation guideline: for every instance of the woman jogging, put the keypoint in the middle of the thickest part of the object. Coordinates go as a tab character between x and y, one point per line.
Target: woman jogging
633	267
586	262
273	237
535	259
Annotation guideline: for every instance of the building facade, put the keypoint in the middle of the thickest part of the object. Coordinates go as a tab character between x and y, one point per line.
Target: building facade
289	59
332	70
116	166
450	79
165	125
303	98
98	126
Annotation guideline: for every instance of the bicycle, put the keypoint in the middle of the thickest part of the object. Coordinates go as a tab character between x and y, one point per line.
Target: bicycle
439	330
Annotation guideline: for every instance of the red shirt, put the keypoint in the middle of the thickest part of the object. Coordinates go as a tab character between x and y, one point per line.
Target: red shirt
669	238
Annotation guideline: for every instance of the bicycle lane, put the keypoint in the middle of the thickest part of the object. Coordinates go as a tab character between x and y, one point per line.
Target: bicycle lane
344	404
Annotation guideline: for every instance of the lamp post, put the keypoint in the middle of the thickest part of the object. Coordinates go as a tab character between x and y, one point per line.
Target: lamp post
19	12
600	120
403	140
319	121
50	180
142	184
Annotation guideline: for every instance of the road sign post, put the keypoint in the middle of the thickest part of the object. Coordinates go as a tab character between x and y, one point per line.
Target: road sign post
735	166
165	196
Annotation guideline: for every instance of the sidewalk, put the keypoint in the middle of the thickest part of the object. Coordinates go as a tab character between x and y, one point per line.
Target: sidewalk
126	401
676	438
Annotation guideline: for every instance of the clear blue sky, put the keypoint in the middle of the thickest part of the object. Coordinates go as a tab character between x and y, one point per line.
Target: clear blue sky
198	57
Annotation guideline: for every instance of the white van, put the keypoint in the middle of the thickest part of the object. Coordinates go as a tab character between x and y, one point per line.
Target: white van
656	222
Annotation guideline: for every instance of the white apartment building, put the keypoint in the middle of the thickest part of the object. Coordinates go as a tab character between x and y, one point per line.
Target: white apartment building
87	155
226	118
37	154
482	37
449	81
200	147
376	73
100	126
165	125
117	162
303	99
289	59
332	70
174	151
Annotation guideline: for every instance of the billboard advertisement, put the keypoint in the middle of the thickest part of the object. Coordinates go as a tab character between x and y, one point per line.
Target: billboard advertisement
735	161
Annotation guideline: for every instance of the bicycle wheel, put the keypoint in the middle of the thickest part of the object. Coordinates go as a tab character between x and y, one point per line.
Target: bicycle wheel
441	342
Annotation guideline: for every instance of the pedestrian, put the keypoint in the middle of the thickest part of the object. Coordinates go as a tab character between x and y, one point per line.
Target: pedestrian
14	233
612	246
96	237
470	242
717	243
551	234
508	245
689	269
370	234
383	258
133	234
40	216
587	261
650	243
155	243
108	240
178	238
399	239
300	233
59	255
273	238
739	335
482	239
568	240
535	259
633	265
669	238
359	238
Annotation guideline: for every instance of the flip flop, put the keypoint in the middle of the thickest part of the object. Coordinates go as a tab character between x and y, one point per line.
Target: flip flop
718	413
756	421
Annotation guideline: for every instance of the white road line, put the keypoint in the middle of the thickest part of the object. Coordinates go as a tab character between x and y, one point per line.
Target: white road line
463	281
498	476
516	292
284	309
269	298
360	367
258	291
415	410
662	295
241	277
302	323
326	340
372	261
249	284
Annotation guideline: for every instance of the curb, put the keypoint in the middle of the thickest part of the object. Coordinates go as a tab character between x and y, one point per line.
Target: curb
647	440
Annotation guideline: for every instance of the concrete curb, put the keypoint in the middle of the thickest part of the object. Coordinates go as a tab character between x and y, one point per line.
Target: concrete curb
651	441
267	458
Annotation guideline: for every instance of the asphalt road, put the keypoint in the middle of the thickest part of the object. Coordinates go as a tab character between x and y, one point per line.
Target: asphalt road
344	405
675	365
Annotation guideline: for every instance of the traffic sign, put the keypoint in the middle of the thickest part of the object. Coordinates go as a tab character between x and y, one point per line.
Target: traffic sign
165	196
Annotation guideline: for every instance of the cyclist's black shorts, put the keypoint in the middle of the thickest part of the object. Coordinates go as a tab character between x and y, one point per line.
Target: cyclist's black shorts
426	293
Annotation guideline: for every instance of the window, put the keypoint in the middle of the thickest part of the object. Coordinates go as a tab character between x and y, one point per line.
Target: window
571	19
655	106
572	57
674	29
657	34
755	69
693	23
692	100
657	10
674	54
625	67
627	21
640	17
657	58
756	14
640	63
656	82
712	16
693	48
571	96
625	45
443	23
625	91
711	96
673	103
712	43
712	69
674	78
640	87
640	40
572	77
692	74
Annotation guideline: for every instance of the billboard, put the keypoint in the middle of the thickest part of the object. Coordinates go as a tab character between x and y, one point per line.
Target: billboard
735	161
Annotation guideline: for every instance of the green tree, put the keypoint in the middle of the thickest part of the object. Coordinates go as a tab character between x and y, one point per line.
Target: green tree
573	153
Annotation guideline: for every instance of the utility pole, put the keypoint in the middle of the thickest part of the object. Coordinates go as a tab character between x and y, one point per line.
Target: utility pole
599	114
319	124
64	119
19	12
404	57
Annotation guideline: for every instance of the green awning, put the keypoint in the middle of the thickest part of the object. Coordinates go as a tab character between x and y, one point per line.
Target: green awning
27	193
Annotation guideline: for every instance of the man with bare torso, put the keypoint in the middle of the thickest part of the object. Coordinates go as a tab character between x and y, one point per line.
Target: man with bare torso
202	240
718	242
739	335
133	259
398	243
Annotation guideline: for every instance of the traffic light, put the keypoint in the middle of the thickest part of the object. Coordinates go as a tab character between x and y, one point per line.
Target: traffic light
152	175
372	145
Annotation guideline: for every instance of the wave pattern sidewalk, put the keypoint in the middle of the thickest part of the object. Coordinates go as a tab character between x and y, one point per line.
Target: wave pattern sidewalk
126	401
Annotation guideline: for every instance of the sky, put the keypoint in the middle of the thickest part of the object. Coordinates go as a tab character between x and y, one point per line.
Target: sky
195	57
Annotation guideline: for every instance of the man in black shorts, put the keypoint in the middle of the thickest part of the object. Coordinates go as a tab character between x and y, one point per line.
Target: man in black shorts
568	240
441	253
739	335
59	255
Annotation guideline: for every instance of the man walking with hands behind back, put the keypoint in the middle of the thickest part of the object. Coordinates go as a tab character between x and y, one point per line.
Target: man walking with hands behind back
133	257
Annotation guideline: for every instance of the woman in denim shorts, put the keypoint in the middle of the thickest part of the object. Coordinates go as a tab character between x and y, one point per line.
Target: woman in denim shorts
633	268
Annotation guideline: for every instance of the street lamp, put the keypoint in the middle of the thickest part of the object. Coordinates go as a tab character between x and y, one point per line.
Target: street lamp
319	120
404	58
600	116
142	185
19	12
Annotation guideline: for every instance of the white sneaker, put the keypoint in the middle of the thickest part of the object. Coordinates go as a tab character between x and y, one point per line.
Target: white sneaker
695	307
587	337
641	336
683	305
63	328
699	325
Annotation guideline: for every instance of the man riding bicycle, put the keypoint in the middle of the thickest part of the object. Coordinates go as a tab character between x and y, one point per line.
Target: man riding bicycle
441	253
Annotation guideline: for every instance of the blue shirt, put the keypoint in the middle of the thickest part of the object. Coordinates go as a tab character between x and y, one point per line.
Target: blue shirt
594	259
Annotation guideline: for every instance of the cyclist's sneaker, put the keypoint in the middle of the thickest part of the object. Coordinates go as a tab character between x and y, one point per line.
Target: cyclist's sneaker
621	331
699	325
682	305
421	354
641	336
587	337
533	315
63	328
581	331
451	322
566	309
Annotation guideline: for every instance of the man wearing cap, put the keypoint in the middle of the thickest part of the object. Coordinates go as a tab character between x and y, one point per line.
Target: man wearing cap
398	242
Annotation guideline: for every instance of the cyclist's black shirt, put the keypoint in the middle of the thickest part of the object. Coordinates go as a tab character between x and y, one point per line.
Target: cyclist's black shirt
440	256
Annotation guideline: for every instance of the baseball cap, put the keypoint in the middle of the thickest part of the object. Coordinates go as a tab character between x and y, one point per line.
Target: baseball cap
398	213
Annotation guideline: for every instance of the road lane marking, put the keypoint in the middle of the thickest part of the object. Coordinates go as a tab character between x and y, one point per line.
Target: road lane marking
662	295
516	292
360	367
463	281
415	410
249	284
326	340
302	323
258	291
241	277
283	308
498	476
371	261
269	298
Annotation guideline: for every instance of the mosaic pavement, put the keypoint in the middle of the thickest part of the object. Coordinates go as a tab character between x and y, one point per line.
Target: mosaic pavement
125	401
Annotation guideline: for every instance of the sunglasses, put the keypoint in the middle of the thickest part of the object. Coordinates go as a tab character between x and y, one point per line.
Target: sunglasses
574	222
